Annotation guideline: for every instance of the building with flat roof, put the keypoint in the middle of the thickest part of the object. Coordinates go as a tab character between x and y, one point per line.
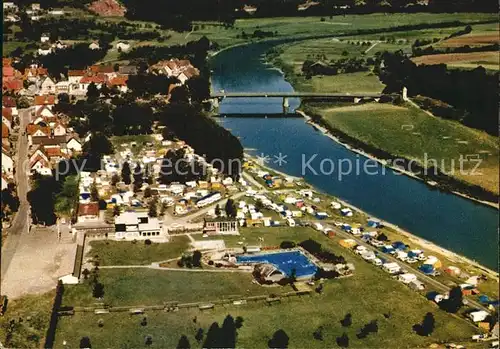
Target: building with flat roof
139	226
220	225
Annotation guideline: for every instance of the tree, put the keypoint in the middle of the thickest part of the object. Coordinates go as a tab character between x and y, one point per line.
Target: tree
343	341
382	237
183	343
153	208
259	205
279	340
94	195
115	179
347	320
197	258
228	333
126	173
148	340
318	334
85	273
427	325
163	208
199	335
98	290
92	92
238	322
116	210
144	321
217	210
85	343
212	339
230	208
454	301
147	192
138	175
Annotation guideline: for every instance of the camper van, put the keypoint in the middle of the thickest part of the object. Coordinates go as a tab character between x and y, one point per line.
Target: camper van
290	222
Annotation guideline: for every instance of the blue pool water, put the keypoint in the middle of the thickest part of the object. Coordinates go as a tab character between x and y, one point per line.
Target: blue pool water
284	261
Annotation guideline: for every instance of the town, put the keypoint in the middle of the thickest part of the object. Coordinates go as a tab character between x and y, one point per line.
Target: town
136	210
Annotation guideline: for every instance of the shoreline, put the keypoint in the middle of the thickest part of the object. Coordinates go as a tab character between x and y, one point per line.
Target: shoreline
452	256
273	62
382	162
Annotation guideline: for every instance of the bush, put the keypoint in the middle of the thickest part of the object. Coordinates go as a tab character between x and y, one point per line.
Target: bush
147	242
287	244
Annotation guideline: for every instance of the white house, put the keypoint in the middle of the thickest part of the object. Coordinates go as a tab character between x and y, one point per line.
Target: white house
478	316
44	51
48	86
122	46
139	226
5	182
7	163
94	46
8	5
44	38
41	166
74	145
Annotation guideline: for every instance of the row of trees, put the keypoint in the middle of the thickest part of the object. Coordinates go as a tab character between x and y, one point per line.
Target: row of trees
343	65
474	92
178	15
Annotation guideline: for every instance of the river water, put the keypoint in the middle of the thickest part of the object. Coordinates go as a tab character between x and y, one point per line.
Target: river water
450	221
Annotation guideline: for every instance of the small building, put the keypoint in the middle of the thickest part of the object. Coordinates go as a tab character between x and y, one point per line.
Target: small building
219	225
267	273
88	212
94	46
477	316
122	46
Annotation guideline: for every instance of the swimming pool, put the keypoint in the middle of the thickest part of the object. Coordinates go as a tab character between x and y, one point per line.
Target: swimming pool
284	261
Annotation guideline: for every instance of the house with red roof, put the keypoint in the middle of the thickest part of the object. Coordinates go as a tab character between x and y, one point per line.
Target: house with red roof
88	212
120	82
7	117
5	131
46	100
40	165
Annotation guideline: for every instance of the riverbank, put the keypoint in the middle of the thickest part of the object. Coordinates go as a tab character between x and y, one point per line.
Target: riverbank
453	257
383	162
467	186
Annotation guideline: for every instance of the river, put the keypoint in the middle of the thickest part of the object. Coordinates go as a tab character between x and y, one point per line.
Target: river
450	221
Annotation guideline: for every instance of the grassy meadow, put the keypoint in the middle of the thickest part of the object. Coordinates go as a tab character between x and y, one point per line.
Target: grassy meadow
431	137
112	252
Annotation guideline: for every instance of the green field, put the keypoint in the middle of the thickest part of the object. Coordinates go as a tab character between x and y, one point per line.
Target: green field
430	137
367	295
130	253
30	315
144	286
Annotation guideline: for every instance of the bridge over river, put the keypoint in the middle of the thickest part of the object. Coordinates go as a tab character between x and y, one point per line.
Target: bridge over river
353	97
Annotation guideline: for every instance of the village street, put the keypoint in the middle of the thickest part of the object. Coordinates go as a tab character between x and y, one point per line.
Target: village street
20	223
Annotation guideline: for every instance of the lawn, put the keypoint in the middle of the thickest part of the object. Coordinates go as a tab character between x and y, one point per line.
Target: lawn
31	315
367	295
129	253
424	137
144	286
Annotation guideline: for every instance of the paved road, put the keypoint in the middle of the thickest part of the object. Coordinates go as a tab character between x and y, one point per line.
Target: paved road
20	224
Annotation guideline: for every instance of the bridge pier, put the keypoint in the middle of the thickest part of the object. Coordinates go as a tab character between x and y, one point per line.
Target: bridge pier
286	105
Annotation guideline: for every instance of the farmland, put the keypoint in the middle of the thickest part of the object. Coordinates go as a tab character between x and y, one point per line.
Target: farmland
488	60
